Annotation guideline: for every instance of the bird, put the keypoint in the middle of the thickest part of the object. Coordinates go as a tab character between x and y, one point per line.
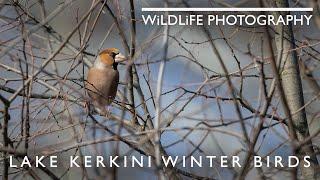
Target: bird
103	79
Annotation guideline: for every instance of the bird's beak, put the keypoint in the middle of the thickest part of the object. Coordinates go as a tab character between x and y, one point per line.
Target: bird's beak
119	58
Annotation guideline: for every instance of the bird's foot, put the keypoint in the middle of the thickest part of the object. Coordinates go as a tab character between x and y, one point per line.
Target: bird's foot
89	109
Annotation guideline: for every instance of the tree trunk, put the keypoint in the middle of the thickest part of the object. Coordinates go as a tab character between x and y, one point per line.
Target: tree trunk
291	82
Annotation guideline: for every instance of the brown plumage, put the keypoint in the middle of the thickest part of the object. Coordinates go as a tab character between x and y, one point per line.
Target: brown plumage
103	79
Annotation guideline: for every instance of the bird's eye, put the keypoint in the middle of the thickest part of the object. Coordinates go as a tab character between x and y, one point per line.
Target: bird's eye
114	54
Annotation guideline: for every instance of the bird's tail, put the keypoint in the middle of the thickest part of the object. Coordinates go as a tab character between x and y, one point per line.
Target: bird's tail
97	109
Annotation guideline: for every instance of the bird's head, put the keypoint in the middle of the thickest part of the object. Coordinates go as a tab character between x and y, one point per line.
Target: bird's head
110	56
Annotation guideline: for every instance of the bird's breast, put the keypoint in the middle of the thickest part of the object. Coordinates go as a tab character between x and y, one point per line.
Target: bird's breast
102	84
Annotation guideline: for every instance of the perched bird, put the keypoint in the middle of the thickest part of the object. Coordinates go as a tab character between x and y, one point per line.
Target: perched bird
103	78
